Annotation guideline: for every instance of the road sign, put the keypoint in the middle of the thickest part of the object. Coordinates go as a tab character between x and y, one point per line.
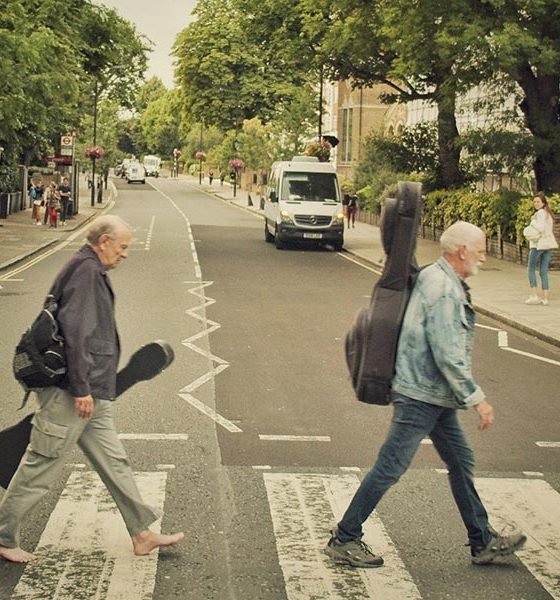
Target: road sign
66	140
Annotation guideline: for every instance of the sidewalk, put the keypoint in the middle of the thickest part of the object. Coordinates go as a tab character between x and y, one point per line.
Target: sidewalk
498	291
20	237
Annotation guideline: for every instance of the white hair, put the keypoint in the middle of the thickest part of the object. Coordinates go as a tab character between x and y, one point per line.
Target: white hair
459	234
109	224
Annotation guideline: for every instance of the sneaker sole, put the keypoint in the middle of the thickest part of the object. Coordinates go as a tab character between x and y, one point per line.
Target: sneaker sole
509	552
348	560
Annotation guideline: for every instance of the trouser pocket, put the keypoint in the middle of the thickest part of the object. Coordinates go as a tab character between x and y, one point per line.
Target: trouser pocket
47	439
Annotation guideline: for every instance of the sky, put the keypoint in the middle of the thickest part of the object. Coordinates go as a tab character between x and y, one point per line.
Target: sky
160	21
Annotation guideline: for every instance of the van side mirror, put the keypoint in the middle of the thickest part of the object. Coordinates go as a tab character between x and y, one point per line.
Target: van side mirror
273	197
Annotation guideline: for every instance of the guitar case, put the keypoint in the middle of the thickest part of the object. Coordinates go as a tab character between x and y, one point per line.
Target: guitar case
147	362
371	344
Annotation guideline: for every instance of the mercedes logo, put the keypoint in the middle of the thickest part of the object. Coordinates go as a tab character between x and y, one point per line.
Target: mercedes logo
313	220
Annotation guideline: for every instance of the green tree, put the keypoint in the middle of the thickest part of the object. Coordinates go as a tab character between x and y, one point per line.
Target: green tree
160	123
523	41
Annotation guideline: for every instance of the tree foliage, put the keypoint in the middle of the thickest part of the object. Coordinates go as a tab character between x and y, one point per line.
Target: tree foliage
51	54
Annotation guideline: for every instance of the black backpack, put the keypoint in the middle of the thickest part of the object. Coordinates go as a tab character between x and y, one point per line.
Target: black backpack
40	358
371	343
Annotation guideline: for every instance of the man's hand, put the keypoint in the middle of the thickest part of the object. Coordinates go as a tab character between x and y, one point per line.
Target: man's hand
486	414
84	406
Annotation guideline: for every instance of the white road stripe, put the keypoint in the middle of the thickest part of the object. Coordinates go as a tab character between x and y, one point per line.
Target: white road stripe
548	444
303	507
85	551
150	233
154	436
294	438
210	412
533	506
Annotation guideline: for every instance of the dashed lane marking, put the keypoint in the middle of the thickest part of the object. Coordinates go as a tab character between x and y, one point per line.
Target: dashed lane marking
294	438
154	436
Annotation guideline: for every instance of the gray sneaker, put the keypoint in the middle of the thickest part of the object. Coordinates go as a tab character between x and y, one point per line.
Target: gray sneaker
499	545
355	553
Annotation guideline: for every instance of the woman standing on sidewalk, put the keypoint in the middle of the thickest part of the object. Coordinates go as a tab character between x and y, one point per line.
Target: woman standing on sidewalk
540	250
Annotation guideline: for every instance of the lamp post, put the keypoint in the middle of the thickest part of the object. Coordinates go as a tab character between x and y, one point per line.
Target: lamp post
200	156
93	156
200	152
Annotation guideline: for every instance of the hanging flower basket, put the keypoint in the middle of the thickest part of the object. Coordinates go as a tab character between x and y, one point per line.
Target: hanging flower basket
200	155
94	152
322	150
236	164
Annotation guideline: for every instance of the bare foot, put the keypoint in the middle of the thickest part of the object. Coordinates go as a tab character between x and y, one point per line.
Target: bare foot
147	540
16	555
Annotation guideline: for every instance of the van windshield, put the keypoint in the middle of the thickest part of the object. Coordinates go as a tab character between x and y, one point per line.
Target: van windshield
314	187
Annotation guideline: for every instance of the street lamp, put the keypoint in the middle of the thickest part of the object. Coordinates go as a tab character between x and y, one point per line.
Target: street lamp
93	157
200	152
200	156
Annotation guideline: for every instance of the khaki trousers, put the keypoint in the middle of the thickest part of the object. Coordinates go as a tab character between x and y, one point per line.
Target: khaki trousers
56	429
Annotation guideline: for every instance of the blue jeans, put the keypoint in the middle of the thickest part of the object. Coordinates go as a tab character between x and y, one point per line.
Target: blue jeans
542	258
412	422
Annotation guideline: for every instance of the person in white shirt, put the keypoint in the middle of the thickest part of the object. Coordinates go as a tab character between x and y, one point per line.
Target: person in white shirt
540	250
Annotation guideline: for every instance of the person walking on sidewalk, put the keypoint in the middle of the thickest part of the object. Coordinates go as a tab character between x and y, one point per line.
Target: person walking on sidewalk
432	382
352	208
540	249
80	409
65	192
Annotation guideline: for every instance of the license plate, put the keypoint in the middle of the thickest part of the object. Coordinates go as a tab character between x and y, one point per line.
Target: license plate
313	236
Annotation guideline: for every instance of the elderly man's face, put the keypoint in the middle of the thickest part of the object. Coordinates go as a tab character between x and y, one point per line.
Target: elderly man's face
114	248
475	255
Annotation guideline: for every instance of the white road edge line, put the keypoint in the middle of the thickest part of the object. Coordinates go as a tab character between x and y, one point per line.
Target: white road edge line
548	444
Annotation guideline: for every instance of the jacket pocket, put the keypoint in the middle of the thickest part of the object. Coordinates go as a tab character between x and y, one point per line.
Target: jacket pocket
102	347
47	439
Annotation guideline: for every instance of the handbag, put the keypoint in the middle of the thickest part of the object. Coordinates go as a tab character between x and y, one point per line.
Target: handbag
531	234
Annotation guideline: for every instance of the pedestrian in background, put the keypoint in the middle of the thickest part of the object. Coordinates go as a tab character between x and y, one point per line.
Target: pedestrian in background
52	204
433	381
210	176
222	176
540	249
79	410
64	191
35	201
352	208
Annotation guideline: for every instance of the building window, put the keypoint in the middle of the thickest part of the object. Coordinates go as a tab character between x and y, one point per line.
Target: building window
346	134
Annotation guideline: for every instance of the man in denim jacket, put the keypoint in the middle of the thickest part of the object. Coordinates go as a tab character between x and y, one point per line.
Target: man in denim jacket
433	378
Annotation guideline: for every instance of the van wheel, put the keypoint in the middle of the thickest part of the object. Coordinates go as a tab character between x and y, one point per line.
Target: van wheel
277	241
268	237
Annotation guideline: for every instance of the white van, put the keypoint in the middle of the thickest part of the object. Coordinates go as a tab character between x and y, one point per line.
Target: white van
303	203
152	165
135	172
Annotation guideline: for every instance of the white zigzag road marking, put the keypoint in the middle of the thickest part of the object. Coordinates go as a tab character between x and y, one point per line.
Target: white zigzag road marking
219	364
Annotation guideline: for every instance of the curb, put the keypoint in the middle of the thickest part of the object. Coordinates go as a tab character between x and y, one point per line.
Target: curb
14	261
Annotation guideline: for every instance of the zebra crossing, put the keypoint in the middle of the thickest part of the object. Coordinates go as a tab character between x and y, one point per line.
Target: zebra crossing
85	550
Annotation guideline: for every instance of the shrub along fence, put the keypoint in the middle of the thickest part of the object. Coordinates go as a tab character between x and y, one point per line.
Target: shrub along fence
502	215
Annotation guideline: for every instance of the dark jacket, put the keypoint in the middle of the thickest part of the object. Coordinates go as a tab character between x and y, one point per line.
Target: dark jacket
86	316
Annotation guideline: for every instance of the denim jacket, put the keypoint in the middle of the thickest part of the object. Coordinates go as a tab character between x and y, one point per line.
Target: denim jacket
434	353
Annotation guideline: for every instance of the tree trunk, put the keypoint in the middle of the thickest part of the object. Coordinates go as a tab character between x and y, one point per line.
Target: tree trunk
449	173
541	107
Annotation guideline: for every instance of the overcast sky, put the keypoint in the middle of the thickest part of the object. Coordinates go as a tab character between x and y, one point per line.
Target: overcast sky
160	20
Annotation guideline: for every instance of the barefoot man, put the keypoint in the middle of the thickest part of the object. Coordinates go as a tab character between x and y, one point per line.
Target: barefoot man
79	410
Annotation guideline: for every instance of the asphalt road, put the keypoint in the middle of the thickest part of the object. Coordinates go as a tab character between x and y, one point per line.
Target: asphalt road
258	337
